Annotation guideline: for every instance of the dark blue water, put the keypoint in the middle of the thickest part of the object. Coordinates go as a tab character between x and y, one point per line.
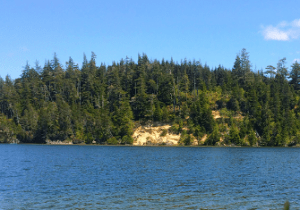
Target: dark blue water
91	177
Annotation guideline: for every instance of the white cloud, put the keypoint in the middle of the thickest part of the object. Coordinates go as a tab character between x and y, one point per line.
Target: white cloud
273	33
282	24
296	23
284	31
297	59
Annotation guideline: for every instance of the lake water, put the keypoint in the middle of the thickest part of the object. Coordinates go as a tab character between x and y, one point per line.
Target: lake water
103	177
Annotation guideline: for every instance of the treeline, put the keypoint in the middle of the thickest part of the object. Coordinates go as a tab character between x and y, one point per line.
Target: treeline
105	103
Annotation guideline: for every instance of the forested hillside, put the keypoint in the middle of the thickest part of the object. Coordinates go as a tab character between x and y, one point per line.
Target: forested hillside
105	103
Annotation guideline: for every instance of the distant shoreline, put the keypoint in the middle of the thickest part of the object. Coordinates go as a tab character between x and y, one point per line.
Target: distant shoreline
120	145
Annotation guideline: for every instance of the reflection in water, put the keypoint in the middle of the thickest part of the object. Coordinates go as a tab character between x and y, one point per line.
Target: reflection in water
41	176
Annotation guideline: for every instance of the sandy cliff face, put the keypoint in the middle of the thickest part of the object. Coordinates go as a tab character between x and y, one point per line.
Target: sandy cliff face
58	142
152	136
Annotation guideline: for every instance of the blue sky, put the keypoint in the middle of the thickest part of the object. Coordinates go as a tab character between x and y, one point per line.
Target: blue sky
210	31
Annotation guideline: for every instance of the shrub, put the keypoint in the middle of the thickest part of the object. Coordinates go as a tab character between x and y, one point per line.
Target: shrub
164	132
233	104
199	132
174	129
180	126
127	140
188	140
183	136
221	103
89	138
112	141
252	138
214	137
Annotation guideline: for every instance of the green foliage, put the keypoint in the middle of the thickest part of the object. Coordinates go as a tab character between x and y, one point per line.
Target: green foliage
214	137
127	140
164	132
188	140
88	138
295	75
286	205
174	129
199	132
122	119
201	114
233	104
7	130
185	139
112	141
221	103
233	137
165	90
101	102
180	126
252	138
184	111
158	113
165	114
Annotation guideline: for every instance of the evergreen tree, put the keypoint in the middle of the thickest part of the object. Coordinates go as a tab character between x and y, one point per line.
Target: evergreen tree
100	102
271	71
201	114
295	75
234	136
214	137
281	69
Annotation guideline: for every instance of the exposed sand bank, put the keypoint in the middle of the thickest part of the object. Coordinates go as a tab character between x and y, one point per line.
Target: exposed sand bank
59	142
151	135
216	114
147	135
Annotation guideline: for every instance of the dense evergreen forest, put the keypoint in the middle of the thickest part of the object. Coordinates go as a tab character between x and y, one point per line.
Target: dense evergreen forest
106	103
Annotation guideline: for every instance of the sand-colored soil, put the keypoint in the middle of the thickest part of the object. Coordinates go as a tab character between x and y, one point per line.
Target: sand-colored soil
216	114
152	135
203	139
59	142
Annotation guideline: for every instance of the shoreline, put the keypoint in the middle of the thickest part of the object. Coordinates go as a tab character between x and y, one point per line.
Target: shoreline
129	145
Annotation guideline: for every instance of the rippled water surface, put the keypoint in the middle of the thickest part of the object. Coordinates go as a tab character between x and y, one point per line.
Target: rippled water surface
91	177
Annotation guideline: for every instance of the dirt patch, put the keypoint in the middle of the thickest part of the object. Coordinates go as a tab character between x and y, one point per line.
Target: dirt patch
203	139
216	114
151	135
58	142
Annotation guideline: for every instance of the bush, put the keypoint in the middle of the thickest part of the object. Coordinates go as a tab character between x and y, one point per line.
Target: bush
183	136
252	138
180	126
233	137
221	103
127	140
233	104
164	132
185	139
174	129
188	140
198	132
165	114
89	138
214	137
112	141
